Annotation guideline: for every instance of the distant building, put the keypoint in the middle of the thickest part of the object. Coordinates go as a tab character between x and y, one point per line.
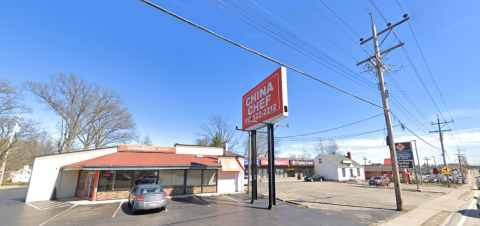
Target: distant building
339	167
22	175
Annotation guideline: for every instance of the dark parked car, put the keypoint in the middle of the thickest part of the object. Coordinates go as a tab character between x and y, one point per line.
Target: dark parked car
379	180
147	196
314	178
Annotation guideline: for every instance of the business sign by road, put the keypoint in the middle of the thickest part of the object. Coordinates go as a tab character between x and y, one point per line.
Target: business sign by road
281	162
245	162
301	163
143	148
404	155
406	164
267	102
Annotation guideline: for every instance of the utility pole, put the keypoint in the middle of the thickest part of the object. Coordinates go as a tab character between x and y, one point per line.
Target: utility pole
16	128
379	66
460	162
249	163
440	132
418	160
434	161
364	161
426	159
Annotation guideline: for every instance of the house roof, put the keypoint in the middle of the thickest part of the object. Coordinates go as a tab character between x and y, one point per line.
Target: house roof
143	159
338	159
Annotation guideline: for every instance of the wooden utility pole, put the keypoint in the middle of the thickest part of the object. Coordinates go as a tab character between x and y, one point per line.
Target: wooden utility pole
379	66
460	162
440	132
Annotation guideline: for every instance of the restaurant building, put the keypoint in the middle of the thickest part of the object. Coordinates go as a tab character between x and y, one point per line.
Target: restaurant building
109	173
285	168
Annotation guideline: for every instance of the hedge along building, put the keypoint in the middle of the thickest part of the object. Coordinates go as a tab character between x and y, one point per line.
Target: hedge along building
109	173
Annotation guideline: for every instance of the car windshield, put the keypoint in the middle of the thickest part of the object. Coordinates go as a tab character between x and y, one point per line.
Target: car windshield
151	190
377	178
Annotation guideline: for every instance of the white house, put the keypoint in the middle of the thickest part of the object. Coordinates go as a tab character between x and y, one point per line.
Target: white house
22	175
339	167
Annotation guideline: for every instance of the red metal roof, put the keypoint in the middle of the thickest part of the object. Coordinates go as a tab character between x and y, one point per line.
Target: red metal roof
149	159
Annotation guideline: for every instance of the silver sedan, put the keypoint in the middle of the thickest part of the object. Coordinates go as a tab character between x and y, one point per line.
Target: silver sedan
146	197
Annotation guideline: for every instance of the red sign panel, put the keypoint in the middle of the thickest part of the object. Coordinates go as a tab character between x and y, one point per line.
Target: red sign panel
281	162
267	102
143	148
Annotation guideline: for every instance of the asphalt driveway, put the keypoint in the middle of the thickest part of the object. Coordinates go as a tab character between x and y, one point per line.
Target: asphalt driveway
356	202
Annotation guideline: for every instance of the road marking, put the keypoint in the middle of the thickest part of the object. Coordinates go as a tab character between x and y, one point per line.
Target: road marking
202	201
117	209
464	217
44	205
58	215
230	198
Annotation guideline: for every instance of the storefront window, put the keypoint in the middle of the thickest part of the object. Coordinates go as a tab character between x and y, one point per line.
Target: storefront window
123	180
105	180
290	172
171	178
145	177
279	173
194	178
209	177
81	179
262	173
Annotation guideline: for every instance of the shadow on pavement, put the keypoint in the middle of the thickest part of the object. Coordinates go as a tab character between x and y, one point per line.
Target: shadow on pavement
470	213
128	210
365	207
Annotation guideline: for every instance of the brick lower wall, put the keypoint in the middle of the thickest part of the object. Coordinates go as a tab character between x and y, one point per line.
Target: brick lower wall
79	193
173	191
209	189
111	195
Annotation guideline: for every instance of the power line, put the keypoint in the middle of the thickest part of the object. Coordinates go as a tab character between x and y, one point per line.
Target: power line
332	137
317	30
353	123
360	79
253	51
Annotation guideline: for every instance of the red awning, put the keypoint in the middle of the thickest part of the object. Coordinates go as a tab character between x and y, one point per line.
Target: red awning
132	160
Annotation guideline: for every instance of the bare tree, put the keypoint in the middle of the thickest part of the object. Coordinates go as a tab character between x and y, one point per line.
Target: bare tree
11	98
90	114
328	147
305	154
146	141
30	145
262	144
292	155
27	129
217	129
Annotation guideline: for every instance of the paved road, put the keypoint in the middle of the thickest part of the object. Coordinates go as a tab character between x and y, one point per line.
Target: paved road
467	215
361	203
198	211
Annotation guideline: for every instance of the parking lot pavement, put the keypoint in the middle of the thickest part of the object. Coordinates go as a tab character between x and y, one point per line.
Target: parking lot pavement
360	203
14	211
206	210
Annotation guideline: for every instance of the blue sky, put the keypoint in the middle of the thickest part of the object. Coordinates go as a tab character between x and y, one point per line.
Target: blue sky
174	76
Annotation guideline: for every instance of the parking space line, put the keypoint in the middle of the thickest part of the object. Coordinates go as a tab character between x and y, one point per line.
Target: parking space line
58	215
202	201
230	198
33	206
117	209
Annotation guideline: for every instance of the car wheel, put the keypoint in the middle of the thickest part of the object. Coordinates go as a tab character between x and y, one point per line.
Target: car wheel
134	210
381	183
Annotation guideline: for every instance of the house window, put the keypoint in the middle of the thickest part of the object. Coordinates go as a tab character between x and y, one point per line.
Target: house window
290	172
279	173
343	172
358	171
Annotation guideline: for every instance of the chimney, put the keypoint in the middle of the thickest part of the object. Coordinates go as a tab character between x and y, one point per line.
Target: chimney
349	155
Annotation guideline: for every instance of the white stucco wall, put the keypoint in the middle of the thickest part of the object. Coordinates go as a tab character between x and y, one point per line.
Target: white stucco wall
327	169
355	174
46	170
227	181
66	183
196	150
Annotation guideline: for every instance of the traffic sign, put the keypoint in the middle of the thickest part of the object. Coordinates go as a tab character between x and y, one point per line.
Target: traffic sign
446	170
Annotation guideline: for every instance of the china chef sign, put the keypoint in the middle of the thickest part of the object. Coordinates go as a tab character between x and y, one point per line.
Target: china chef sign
267	102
